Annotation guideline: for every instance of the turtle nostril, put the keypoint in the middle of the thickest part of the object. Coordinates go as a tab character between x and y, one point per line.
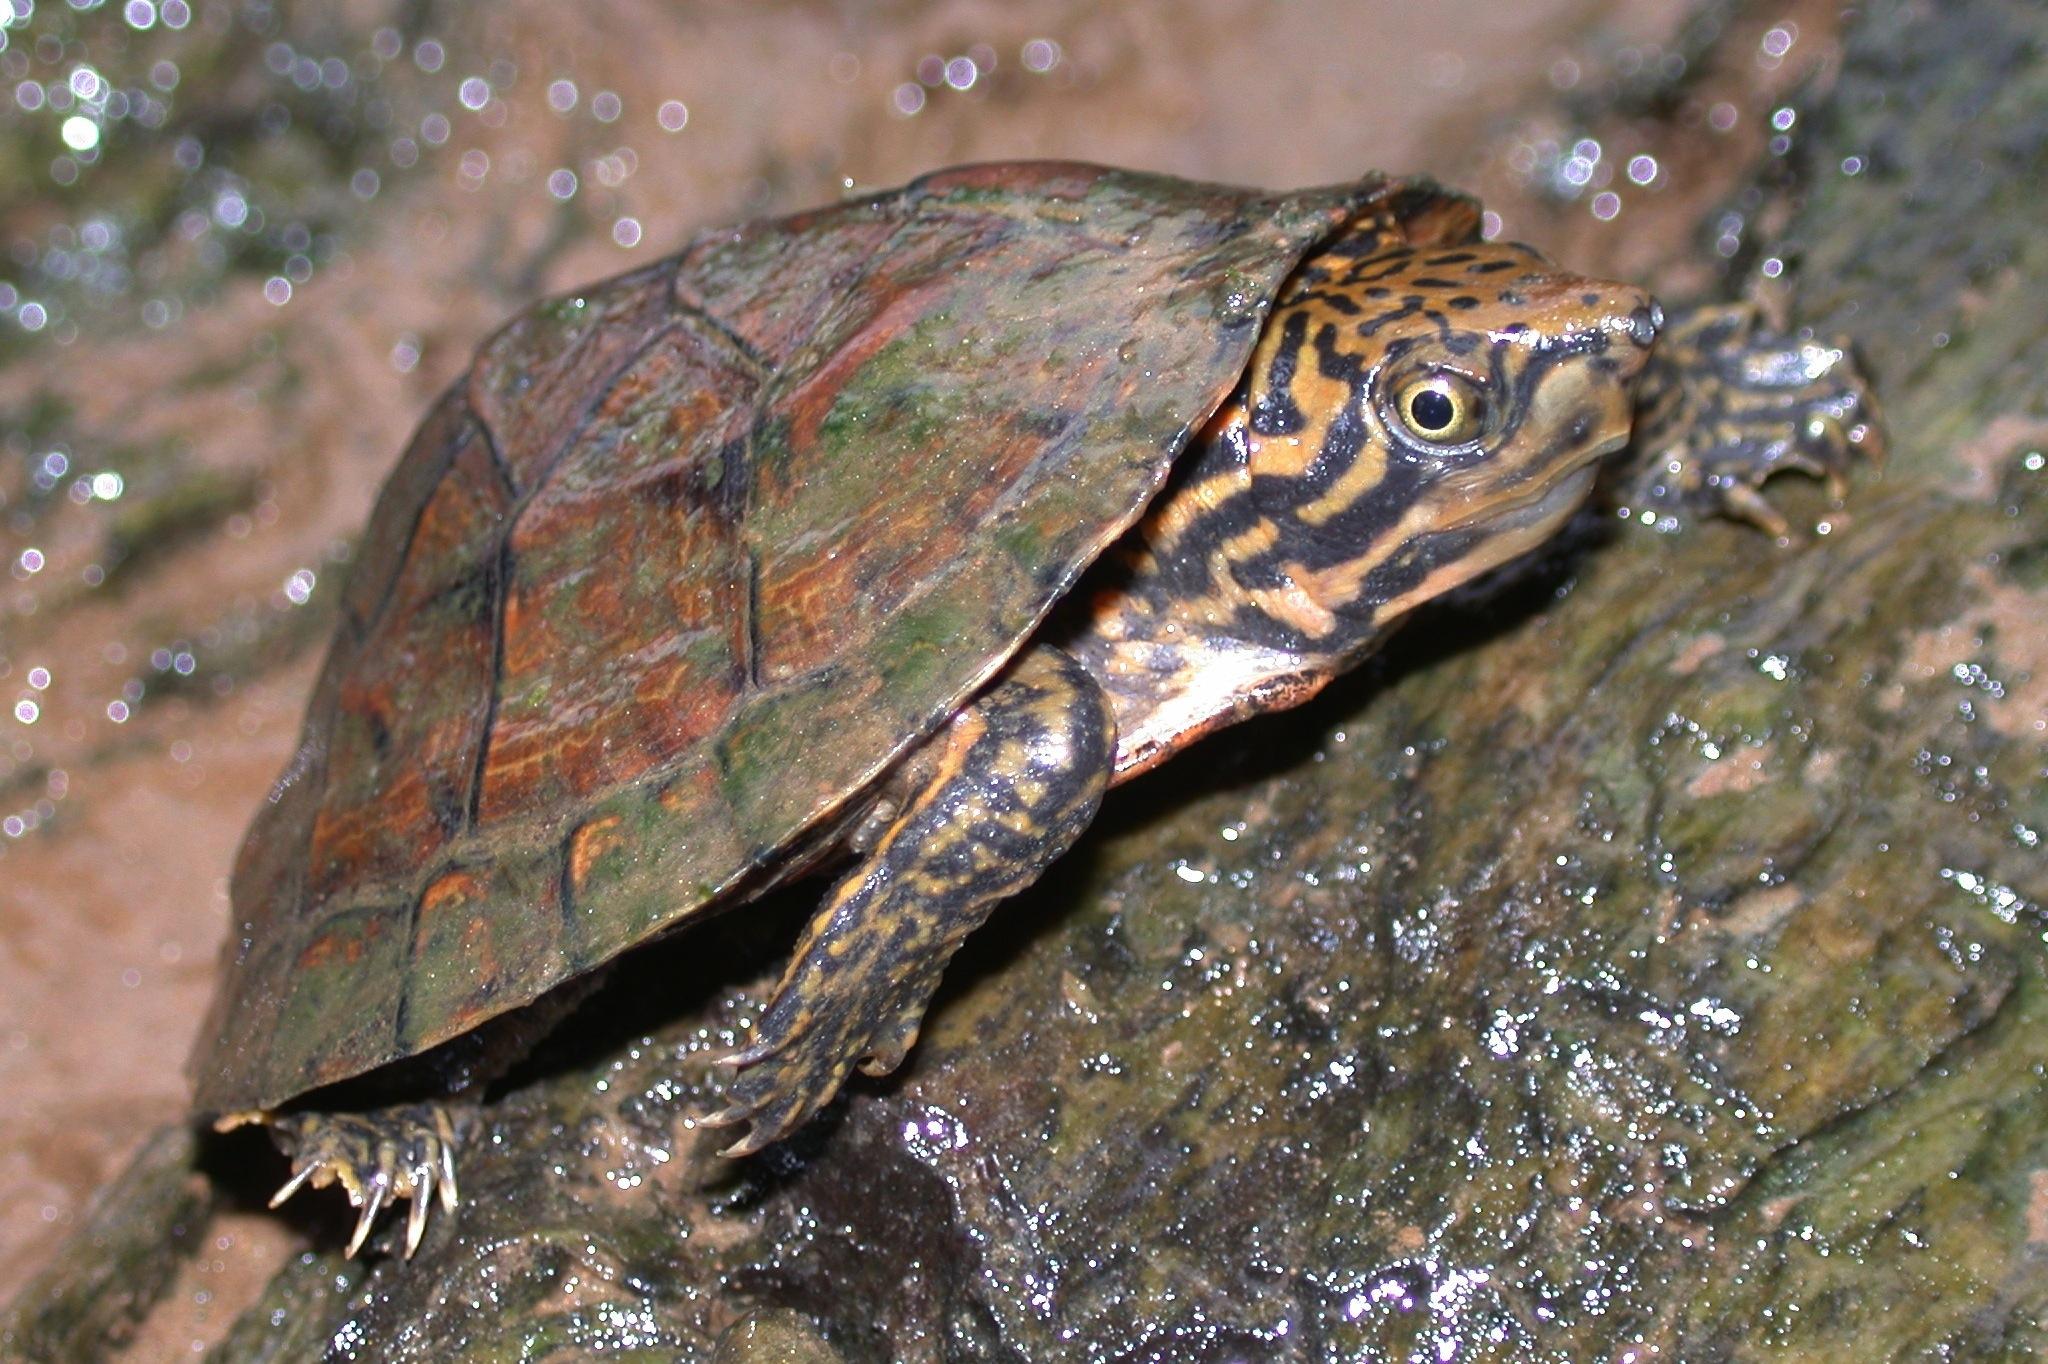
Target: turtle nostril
1643	324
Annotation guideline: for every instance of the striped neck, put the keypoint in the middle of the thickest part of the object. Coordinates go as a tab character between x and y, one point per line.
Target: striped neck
1410	418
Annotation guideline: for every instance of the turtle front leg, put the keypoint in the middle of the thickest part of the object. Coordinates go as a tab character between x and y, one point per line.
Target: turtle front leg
1007	786
1730	398
378	1157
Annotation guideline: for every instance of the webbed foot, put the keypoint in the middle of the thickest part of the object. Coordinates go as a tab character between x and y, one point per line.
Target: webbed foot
378	1157
1730	398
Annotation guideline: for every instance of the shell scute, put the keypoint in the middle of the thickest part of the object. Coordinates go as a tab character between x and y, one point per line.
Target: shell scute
341	975
380	554
770	286
625	622
535	383
410	714
468	951
639	854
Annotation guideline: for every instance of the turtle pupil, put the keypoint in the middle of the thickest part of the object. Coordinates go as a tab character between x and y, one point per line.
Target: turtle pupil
1432	410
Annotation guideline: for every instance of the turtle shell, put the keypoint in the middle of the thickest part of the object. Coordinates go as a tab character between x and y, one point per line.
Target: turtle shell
688	558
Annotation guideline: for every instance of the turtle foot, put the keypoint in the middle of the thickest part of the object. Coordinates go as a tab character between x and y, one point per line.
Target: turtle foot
378	1157
1733	397
802	1054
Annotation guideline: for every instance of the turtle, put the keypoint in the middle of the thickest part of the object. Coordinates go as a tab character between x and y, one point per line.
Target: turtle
884	539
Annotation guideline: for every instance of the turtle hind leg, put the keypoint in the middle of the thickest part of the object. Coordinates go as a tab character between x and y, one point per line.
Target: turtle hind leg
1732	397
1013	780
378	1156
381	1152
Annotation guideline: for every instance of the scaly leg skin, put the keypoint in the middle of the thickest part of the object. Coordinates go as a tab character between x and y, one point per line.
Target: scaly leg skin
1729	399
1017	776
377	1156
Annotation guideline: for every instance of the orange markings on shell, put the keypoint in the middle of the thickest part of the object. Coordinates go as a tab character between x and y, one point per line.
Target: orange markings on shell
590	842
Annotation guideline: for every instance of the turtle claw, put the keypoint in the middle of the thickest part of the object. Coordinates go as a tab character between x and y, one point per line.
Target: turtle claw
803	1055
774	1094
403	1152
416	1213
760	1051
1744	503
768	1127
449	1197
372	1205
798	1061
292	1185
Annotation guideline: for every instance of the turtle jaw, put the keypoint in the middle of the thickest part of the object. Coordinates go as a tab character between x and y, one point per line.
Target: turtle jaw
1491	532
1544	513
1545	509
1507	531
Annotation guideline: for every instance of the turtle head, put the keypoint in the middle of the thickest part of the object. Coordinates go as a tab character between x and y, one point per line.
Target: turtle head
1416	416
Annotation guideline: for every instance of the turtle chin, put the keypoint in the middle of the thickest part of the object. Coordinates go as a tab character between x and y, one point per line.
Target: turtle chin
1535	512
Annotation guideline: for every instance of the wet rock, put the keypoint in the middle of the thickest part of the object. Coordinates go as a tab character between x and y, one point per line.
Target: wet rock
773	1338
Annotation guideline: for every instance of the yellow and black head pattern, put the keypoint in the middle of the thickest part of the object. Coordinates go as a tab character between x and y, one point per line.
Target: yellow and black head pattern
1412	417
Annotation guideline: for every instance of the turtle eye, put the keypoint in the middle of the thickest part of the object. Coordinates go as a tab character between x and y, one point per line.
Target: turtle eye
1441	408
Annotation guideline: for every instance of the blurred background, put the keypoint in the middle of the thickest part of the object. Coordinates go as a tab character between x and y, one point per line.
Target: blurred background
243	244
